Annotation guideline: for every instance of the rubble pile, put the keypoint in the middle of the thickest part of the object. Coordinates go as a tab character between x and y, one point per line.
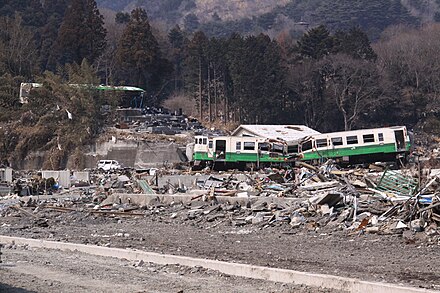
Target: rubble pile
356	201
375	200
159	121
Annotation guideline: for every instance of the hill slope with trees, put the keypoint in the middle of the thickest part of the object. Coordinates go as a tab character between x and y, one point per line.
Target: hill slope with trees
328	78
220	18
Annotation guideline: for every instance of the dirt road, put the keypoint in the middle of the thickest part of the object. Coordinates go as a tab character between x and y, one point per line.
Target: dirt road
39	270
389	258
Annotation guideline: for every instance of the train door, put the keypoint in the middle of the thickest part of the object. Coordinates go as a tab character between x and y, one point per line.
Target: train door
400	140
210	148
220	149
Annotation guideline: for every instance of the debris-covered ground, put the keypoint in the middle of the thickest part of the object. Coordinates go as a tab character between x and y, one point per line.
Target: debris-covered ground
369	223
39	270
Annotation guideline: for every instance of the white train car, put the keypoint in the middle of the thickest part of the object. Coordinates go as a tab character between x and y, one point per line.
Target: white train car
357	146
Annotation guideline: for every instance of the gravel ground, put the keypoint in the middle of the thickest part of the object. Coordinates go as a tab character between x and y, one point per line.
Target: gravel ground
40	270
389	258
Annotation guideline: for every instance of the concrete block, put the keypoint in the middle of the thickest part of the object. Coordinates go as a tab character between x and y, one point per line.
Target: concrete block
6	175
81	176
62	177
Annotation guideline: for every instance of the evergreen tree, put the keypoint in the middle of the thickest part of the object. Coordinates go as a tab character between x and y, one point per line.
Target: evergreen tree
355	43
258	76
30	11
138	55
82	33
218	78
55	10
236	49
122	17
191	22
177	41
316	43
33	14
196	68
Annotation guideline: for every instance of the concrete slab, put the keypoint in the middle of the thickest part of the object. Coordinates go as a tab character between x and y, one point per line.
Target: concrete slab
143	199
81	176
62	177
6	175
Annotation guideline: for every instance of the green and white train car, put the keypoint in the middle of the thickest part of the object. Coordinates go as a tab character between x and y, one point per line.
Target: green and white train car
357	146
238	152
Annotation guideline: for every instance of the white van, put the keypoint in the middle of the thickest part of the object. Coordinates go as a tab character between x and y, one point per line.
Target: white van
107	165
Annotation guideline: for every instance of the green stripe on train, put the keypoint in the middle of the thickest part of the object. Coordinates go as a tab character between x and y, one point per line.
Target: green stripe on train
242	157
351	151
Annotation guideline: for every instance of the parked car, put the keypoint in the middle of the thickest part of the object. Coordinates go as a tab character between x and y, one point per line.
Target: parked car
107	165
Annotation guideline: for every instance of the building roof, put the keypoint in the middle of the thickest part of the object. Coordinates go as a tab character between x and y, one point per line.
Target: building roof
285	132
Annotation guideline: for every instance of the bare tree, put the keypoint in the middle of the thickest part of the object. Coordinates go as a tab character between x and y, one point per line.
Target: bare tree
353	85
409	59
18	51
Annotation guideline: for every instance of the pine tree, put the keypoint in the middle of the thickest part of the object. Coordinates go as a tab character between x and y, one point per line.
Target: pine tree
122	17
196	68
138	55
177	41
355	43
191	22
236	64
30	11
257	75
316	43
82	33
55	10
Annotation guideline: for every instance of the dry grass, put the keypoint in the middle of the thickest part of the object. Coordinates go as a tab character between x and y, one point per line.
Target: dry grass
180	101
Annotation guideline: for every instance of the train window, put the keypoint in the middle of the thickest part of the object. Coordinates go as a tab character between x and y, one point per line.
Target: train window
200	141
263	146
306	146
238	146
197	141
380	135
205	140
352	139
368	138
210	144
292	149
248	146
337	141
321	143
277	148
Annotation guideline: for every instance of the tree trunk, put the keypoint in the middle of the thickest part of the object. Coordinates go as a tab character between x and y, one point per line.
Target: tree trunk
346	128
226	113
200	90
209	93
215	94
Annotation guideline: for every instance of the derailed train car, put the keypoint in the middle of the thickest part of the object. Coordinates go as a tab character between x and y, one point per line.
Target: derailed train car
240	152
385	144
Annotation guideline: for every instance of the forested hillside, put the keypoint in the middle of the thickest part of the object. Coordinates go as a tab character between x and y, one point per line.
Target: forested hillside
221	18
328	78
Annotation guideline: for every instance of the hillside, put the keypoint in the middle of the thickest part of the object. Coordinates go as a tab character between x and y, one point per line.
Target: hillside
218	18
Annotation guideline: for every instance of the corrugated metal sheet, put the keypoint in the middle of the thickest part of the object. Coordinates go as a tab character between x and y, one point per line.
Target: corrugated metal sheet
395	182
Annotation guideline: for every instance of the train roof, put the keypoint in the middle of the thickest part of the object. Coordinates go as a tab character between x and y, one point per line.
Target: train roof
358	131
278	132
